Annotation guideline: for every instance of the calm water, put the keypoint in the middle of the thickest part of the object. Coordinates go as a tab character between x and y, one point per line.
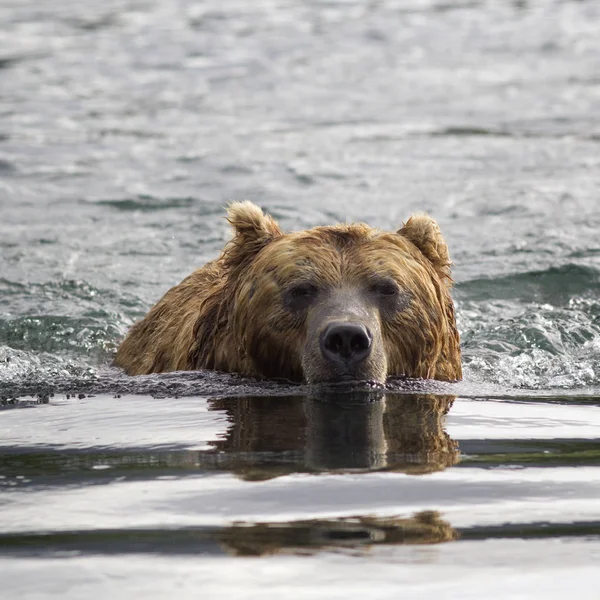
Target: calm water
127	125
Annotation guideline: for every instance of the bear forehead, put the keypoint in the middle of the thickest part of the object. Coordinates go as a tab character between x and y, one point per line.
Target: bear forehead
342	251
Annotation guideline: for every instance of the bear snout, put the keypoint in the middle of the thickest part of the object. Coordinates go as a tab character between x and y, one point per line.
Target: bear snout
346	344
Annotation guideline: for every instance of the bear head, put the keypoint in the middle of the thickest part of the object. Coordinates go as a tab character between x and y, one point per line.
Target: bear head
330	304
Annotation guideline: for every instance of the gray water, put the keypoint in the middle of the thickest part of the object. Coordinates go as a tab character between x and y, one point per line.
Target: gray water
125	128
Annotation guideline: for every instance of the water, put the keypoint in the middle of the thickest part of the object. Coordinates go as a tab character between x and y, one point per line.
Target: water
378	490
127	125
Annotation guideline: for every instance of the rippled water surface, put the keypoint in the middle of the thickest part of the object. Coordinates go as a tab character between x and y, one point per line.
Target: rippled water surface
127	125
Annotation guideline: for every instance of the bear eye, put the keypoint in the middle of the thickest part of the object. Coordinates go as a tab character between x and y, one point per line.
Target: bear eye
303	290
300	295
385	287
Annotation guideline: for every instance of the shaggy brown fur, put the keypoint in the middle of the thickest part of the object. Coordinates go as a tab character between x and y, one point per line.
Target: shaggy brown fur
260	308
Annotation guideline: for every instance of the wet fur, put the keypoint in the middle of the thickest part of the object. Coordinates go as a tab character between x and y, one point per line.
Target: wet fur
229	314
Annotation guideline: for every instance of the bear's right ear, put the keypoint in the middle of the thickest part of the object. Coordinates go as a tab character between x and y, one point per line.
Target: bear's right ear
253	230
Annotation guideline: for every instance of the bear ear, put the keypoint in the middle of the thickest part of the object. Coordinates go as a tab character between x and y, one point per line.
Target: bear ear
253	230
425	234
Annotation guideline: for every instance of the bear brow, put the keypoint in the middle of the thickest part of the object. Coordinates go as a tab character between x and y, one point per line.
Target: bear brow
342	238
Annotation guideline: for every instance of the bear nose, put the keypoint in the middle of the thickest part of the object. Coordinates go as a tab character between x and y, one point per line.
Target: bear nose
349	343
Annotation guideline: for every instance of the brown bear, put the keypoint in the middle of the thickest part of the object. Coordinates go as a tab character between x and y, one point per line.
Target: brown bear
330	304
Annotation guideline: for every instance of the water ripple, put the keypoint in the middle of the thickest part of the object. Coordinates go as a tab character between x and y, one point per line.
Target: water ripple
533	330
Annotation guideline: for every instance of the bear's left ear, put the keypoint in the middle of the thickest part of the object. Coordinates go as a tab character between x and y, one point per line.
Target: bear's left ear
425	234
253	230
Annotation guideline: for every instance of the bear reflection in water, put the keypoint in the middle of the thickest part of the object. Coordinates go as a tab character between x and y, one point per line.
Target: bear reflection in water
270	436
356	533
